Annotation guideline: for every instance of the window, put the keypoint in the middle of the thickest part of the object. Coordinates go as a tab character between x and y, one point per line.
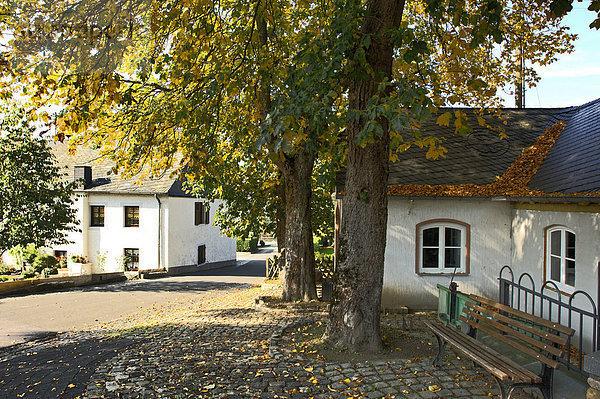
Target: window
132	216
443	246
97	216
60	254
200	213
201	254
560	255
132	258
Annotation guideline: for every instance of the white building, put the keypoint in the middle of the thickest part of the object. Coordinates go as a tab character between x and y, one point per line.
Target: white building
149	224
452	217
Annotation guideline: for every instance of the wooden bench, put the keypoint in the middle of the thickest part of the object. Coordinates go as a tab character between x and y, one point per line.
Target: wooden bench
533	336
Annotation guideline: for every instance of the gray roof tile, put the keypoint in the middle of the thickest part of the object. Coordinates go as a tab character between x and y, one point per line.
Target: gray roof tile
104	182
573	164
478	157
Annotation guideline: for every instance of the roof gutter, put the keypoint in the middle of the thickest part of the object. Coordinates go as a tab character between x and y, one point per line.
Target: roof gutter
570	199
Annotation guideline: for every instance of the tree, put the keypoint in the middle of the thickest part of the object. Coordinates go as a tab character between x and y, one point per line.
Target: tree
560	8
175	82
409	70
204	81
35	200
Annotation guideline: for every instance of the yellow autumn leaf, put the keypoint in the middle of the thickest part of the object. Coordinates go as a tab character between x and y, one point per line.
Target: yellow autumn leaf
434	388
444	119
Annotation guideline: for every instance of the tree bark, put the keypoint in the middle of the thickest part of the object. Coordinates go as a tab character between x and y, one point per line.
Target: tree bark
280	229
355	313
299	284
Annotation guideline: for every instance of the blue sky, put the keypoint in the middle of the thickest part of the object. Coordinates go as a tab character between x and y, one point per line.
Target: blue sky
575	78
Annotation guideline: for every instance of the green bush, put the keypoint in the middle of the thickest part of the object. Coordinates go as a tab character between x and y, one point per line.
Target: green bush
6	269
49	271
30	254
45	262
28	274
4	278
247	245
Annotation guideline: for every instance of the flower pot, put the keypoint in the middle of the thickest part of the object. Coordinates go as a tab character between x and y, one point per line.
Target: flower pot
79	269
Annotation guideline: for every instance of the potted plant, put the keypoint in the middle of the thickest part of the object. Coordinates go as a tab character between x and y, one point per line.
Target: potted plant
79	265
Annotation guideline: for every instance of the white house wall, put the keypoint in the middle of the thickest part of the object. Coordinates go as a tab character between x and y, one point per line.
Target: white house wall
529	254
114	237
490	223
184	236
528	244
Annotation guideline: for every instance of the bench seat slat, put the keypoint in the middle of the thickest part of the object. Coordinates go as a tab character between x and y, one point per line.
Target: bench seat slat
557	339
495	363
534	354
479	313
513	370
535	319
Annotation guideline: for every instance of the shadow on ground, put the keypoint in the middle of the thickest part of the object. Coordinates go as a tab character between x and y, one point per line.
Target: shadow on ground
54	369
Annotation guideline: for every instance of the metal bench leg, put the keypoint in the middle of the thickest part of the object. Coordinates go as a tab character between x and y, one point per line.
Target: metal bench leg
440	355
547	381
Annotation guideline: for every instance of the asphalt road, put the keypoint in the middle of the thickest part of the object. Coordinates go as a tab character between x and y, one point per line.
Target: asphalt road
44	314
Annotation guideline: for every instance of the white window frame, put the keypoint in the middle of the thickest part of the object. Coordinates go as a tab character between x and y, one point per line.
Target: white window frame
465	230
562	284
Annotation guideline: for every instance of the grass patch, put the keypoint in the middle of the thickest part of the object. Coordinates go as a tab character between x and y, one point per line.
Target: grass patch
324	251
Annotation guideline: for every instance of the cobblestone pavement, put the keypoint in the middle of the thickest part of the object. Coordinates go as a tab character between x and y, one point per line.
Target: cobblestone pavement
219	346
223	348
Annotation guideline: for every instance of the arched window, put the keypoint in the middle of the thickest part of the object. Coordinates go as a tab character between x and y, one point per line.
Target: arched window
442	247
560	255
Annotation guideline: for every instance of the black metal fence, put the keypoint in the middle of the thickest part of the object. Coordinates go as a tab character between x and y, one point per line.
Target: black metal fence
577	310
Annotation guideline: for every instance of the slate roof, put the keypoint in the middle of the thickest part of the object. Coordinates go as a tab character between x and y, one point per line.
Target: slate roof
478	157
573	164
103	182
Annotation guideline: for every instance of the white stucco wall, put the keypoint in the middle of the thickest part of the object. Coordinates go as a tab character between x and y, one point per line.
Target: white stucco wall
529	254
77	239
490	223
184	236
112	238
528	245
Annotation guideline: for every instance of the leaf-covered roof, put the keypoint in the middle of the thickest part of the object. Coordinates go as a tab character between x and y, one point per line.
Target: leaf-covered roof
541	157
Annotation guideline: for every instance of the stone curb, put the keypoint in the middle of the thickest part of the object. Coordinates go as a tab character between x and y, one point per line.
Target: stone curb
275	349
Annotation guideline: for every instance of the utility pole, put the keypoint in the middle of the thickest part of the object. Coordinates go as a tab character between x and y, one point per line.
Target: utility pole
520	83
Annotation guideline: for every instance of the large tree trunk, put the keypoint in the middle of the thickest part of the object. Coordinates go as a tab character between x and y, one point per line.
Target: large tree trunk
280	229
299	284
354	316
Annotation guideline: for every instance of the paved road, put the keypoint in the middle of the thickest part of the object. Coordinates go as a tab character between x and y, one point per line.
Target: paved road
37	315
38	360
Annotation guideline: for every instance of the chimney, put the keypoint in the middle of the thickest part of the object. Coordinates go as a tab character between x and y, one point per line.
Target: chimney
82	177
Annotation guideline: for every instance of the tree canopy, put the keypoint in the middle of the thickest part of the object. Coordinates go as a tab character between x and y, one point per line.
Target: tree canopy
35	200
257	94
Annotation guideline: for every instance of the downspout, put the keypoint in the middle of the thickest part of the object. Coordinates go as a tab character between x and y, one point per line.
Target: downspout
159	227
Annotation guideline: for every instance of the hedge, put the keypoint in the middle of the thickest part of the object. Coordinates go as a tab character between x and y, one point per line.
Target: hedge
247	245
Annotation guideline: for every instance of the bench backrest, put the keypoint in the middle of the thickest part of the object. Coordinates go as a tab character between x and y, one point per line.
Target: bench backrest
534	336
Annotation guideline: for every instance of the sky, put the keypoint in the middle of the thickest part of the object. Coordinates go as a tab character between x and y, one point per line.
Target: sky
575	78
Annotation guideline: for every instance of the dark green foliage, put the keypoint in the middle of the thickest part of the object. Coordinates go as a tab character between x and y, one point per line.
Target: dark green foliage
35	203
30	254
247	245
45	261
28	274
49	271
